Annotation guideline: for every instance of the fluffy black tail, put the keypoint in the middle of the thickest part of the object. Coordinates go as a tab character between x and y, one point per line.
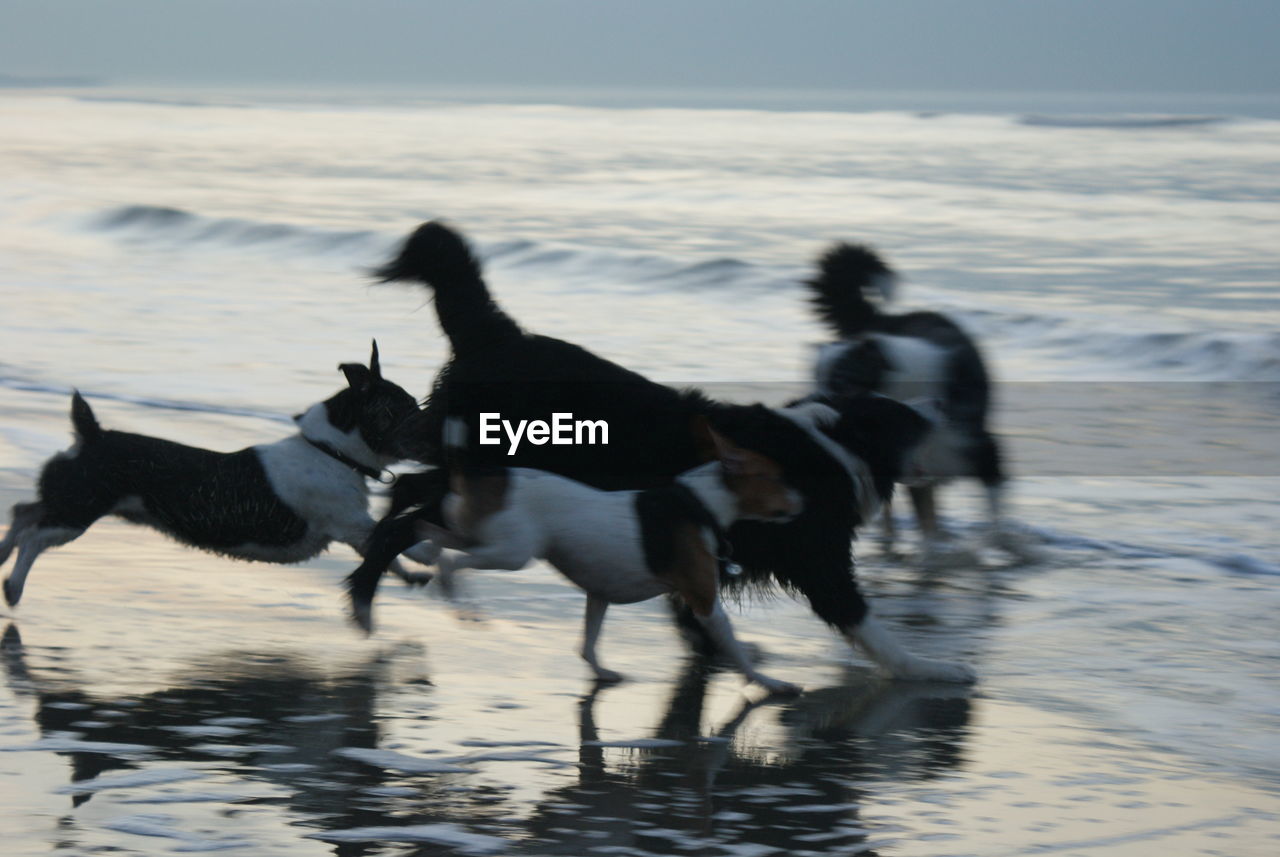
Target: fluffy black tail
83	420
441	258
847	274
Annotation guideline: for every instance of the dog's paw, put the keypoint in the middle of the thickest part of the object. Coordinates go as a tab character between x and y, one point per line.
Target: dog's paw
777	686
923	669
418	578
465	611
888	547
12	594
1021	546
936	557
361	615
607	676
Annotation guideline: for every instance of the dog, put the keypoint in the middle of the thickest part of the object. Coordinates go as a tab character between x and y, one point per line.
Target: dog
281	502
620	547
842	454
907	356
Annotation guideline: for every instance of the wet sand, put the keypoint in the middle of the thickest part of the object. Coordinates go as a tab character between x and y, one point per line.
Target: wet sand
157	700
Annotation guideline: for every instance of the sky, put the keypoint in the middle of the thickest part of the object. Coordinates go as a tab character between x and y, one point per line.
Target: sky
1227	46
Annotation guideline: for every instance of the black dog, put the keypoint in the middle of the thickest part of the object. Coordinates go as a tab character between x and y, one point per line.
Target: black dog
842	455
906	356
279	502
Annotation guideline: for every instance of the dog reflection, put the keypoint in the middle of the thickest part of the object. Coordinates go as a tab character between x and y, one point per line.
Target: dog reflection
719	790
802	793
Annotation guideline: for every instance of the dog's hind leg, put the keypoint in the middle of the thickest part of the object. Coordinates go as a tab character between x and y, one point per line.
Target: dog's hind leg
592	622
22	518
31	543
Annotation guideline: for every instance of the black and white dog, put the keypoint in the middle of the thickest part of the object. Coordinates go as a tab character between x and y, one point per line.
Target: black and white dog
909	356
843	459
619	547
280	502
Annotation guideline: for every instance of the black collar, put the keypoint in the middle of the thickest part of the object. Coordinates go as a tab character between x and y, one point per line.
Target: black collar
328	450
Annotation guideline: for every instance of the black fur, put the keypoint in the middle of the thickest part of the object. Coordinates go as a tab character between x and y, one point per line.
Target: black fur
183	491
524	376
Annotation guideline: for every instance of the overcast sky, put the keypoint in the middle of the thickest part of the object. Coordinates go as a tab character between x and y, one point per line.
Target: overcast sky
1027	45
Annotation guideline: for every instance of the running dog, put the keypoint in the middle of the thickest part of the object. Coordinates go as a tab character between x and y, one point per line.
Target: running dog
620	547
281	502
843	458
908	356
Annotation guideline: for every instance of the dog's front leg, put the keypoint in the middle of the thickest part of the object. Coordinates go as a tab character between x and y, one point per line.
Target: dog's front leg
716	621
31	543
357	534
888	529
592	623
1002	536
881	646
509	554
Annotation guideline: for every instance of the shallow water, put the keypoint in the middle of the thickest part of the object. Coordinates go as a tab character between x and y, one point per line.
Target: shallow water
196	268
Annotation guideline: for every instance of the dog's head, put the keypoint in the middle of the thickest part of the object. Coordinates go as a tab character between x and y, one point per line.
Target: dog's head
755	479
371	407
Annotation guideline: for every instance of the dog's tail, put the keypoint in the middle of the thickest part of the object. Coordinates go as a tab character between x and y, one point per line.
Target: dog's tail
847	275
441	258
82	419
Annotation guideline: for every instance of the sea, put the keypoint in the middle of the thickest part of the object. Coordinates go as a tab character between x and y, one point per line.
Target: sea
196	262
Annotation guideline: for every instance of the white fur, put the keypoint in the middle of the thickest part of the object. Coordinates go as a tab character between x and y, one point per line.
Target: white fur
30	542
874	639
917	368
886	285
828	353
593	538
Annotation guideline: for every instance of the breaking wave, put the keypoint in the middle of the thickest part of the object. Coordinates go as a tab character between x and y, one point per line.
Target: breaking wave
176	226
1201	355
1121	121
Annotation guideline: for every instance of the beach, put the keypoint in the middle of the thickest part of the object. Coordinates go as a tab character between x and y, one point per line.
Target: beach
198	267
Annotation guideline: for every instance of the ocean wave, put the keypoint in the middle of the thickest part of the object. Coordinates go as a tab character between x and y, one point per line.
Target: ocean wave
1202	355
1176	355
1235	563
1120	121
177	226
26	385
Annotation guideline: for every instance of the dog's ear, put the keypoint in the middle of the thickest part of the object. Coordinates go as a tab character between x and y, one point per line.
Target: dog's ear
358	376
700	428
735	460
374	366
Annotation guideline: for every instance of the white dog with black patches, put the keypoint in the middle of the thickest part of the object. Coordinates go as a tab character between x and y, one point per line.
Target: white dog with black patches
620	547
910	356
281	502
